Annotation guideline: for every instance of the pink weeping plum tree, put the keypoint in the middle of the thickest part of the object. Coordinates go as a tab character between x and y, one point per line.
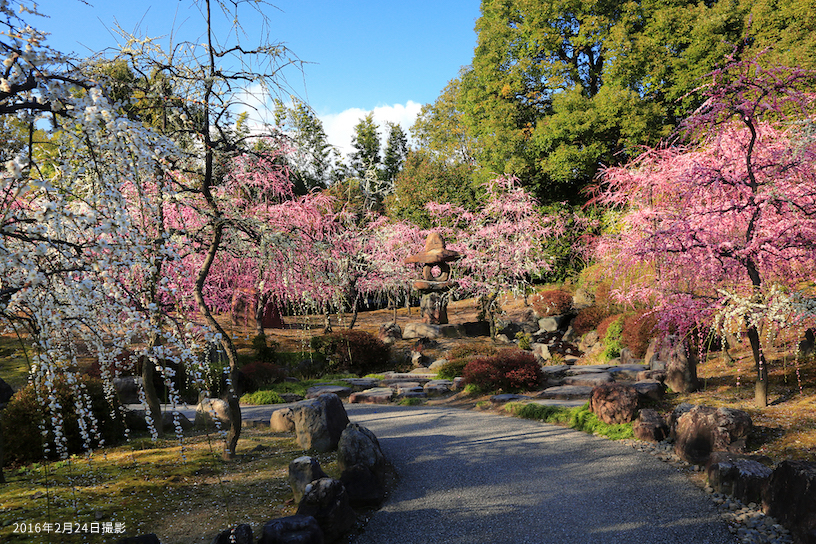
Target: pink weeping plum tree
720	233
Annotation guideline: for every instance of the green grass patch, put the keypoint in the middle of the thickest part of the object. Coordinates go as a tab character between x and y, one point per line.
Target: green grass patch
580	419
13	362
150	488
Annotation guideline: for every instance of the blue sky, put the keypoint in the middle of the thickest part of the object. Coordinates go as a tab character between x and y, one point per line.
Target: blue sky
362	55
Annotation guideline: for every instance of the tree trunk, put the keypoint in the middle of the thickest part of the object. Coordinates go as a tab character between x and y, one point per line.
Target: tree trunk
354	312
226	342
2	457
260	309
761	387
151	396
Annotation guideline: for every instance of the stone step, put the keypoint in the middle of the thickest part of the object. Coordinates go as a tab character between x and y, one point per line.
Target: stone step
375	395
566	392
574	403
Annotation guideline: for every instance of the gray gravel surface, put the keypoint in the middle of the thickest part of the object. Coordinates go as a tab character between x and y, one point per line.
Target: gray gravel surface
470	477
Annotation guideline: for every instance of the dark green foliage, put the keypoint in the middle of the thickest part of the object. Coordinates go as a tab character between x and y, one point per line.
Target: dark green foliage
508	371
259	375
452	369
351	351
424	178
23	415
265	350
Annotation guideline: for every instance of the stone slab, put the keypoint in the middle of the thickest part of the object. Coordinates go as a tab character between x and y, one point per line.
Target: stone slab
575	403
420	330
317	390
361	384
592	379
376	395
507	397
552	370
566	392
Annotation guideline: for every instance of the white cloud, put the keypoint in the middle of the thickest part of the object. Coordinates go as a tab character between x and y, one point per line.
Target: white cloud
339	127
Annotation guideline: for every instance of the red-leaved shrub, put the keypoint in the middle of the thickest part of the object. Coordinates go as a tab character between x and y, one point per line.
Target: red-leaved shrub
589	318
638	330
509	370
603	326
552	302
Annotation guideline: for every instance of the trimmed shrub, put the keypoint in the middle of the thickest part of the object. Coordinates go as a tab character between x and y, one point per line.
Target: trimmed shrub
551	302
509	370
610	331
23	415
638	330
458	358
452	369
259	375
465	351
351	351
265	349
589	318
262	397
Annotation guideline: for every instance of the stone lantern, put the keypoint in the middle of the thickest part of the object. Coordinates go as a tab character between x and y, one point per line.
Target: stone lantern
435	283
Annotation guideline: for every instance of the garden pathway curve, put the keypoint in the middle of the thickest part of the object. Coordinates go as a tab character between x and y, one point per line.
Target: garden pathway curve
470	477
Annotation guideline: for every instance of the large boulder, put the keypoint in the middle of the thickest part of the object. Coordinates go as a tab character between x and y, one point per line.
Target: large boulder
677	359
303	471
390	333
650	389
358	445
791	499
127	389
240	534
292	530
319	422
282	421
420	330
326	500
741	477
614	403
169	420
367	474
6	392
209	411
650	426
705	429
681	370
149	538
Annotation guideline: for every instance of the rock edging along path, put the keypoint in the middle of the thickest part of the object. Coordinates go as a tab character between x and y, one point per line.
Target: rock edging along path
473	477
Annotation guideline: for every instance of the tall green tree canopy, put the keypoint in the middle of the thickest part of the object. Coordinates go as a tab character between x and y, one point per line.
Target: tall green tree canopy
558	88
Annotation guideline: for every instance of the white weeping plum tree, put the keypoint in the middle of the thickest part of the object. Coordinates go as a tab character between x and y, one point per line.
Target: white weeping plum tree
92	223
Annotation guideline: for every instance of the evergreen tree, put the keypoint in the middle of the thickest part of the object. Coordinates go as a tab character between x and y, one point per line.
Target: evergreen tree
396	150
366	144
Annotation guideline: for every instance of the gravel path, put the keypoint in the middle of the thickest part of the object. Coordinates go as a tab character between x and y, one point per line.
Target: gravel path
470	477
